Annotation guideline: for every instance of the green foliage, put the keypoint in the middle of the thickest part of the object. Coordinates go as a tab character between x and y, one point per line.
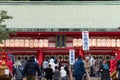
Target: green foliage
4	33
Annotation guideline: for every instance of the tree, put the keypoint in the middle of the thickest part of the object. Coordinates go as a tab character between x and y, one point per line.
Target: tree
4	32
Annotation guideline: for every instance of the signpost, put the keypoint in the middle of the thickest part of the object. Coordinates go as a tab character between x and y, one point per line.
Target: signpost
71	61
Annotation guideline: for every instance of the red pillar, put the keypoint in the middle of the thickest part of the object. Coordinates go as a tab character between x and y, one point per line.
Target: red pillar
81	52
40	57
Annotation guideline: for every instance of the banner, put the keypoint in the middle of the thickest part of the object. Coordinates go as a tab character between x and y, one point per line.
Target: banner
85	40
71	56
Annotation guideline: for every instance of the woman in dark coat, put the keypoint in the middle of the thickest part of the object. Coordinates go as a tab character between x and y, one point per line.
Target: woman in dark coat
105	71
49	73
118	69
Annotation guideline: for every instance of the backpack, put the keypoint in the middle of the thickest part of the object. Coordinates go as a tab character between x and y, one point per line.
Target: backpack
31	68
18	72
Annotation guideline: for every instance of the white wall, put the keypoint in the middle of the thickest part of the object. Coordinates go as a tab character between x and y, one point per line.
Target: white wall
63	16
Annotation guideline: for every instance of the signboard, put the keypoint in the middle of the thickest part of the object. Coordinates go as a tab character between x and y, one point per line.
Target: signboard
71	56
85	40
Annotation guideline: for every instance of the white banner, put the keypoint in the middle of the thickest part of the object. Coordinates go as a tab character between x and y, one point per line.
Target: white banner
85	40
71	56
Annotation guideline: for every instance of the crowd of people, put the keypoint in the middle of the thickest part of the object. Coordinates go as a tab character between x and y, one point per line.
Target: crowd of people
51	69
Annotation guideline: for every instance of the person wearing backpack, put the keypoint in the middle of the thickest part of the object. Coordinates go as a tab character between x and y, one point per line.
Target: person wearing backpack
78	68
30	69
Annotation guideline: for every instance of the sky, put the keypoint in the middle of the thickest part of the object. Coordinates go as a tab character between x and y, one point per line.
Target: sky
63	16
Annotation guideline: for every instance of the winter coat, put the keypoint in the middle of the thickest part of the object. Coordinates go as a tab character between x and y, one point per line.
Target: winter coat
52	64
56	75
79	68
49	73
31	68
104	69
63	73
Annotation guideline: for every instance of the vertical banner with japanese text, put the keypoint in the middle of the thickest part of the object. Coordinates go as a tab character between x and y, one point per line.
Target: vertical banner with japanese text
85	40
71	56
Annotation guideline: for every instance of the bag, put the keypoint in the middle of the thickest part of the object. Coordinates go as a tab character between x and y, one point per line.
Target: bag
18	73
117	74
31	68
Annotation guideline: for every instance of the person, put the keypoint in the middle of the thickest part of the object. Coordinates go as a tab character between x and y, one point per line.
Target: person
31	68
44	67
104	69
87	68
52	64
63	73
45	64
18	69
92	62
24	61
56	74
118	69
78	69
67	71
97	68
49	73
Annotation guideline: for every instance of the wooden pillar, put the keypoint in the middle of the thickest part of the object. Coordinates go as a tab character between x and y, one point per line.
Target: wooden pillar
40	57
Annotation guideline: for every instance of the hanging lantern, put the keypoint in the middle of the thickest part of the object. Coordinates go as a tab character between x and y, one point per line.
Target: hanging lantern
75	42
108	43
90	42
79	42
17	43
45	43
21	43
40	43
99	42
7	43
31	43
94	42
26	43
113	43
35	43
104	42
118	42
2	44
12	42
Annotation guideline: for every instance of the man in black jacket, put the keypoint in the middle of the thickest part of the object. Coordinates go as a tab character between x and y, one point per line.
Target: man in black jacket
31	68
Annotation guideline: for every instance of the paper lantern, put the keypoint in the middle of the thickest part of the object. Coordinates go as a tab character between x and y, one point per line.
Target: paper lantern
40	43
21	43
75	43
35	43
90	42
118	42
104	42
26	43
2	44
12	43
45	43
31	42
7	43
17	43
94	41
99	42
79	42
113	41
108	43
